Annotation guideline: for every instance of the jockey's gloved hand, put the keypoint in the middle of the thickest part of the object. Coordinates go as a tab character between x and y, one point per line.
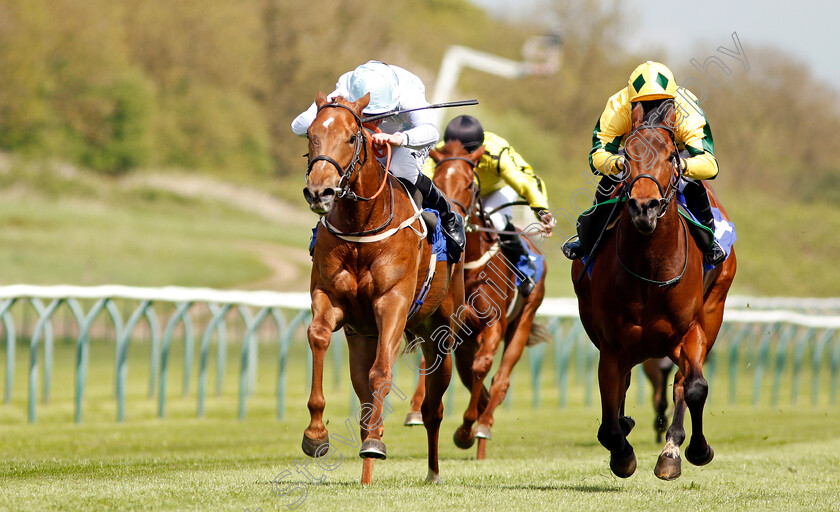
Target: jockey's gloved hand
620	164
546	219
682	165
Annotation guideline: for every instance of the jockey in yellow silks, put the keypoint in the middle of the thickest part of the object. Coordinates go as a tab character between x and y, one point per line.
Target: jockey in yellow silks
504	176
692	134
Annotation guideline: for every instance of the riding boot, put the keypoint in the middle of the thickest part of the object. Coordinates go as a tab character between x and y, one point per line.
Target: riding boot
451	222
573	249
513	247
696	193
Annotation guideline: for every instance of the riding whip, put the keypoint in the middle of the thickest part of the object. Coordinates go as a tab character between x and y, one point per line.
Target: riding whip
461	103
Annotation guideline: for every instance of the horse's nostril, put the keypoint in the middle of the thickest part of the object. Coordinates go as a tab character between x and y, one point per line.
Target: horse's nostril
633	206
653	204
308	195
328	193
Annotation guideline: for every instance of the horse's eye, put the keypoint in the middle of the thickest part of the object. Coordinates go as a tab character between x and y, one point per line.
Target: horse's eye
352	139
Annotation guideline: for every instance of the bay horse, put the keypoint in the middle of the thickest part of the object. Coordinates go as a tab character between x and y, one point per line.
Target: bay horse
647	296
371	260
494	310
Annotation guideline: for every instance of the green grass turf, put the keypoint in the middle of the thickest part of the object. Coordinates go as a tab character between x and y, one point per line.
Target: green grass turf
767	458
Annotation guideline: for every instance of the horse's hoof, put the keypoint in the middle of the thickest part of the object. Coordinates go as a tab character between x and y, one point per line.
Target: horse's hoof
373	449
311	446
699	457
433	478
623	466
482	431
459	438
413	418
667	468
626	423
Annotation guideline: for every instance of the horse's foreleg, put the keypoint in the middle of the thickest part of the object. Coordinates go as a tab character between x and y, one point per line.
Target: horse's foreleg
390	311
501	380
362	354
669	466
696	390
437	380
488	341
414	416
324	319
612	383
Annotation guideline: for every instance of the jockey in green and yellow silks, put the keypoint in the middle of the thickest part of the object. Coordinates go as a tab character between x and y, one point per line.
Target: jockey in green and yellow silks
504	176
692	134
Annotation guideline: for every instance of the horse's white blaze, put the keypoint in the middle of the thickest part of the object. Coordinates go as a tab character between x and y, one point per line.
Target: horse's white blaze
328	122
671	450
450	172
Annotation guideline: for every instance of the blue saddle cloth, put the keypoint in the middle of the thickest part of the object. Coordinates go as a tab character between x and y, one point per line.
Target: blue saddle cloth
725	233
436	237
438	240
525	271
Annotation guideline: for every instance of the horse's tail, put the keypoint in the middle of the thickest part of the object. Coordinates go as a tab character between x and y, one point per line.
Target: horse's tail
539	334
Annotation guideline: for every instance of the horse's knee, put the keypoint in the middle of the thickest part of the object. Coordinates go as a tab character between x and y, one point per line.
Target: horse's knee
380	381
696	392
482	365
432	413
319	336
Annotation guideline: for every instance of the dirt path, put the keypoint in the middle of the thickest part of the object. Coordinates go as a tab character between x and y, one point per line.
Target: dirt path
242	198
289	266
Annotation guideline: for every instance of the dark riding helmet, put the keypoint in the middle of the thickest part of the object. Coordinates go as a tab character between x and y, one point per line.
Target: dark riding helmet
466	129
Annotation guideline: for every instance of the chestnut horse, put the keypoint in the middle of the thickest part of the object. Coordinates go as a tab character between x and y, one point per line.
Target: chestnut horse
494	310
370	262
647	296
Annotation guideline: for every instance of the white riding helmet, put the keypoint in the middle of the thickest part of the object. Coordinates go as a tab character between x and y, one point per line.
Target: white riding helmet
380	81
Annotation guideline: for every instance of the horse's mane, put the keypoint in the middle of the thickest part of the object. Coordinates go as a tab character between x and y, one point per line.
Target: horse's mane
453	147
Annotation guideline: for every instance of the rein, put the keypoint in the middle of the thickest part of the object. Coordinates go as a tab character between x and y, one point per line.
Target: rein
663	207
661	284
343	189
360	142
484	215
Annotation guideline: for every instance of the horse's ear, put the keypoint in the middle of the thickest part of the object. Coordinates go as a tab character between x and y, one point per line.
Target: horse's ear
436	155
670	119
321	99
476	155
361	103
637	115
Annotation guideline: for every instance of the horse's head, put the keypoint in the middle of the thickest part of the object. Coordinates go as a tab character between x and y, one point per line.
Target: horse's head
454	174
652	163
337	148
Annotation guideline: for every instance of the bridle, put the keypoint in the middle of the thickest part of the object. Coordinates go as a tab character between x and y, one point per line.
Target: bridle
473	188
343	189
345	173
675	177
476	206
663	206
